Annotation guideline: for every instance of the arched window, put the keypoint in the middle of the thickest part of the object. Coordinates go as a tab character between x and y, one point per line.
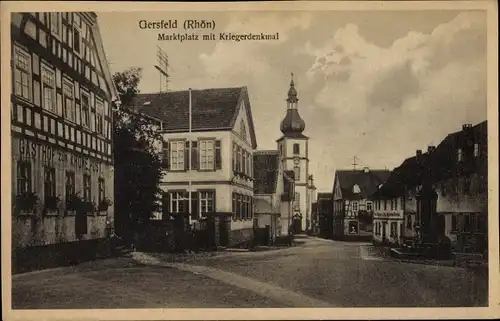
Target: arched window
243	130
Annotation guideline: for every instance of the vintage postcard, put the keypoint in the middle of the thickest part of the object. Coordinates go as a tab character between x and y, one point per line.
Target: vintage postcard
249	160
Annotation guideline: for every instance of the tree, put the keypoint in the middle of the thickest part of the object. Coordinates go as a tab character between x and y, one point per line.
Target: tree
138	165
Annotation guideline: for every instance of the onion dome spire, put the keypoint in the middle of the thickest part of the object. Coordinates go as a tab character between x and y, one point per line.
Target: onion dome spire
292	123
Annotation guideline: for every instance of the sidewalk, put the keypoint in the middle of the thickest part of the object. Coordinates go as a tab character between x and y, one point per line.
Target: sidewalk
383	252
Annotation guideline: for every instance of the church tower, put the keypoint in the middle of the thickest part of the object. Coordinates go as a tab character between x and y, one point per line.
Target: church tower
294	154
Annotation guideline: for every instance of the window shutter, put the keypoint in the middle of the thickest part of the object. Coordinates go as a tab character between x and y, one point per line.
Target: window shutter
234	157
186	156
194	155
165	206
195	209
166	155
233	209
251	207
218	157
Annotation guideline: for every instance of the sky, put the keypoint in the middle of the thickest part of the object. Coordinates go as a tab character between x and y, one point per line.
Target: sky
377	85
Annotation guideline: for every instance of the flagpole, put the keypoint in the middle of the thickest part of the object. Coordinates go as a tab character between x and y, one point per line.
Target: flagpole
190	155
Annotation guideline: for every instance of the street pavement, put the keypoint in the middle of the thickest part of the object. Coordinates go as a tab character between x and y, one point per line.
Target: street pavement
318	273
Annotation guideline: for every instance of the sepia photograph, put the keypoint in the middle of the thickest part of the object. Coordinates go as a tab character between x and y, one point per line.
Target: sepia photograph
262	155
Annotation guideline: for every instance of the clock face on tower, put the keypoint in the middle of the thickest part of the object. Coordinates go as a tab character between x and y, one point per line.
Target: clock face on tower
296	161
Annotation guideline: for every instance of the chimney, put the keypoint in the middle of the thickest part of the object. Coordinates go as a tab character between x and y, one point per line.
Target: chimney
430	148
419	154
466	126
366	169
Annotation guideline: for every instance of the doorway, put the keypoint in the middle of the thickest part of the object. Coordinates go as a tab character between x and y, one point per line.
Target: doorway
297	226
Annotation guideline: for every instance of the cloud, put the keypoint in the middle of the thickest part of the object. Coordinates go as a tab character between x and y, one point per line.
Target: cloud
386	102
234	58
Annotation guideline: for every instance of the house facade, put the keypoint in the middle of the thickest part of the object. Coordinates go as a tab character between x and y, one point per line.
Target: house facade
440	193
272	207
351	203
388	209
293	147
458	172
213	160
61	124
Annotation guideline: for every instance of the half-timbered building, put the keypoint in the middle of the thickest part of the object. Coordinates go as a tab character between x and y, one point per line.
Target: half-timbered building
61	125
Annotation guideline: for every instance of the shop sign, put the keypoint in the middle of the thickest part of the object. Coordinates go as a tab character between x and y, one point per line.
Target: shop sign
48	154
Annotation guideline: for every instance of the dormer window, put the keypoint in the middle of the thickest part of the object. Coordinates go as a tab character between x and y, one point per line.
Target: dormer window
356	189
460	155
476	150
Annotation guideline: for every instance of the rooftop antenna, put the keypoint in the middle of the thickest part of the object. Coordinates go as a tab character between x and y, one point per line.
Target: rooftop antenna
354	163
162	67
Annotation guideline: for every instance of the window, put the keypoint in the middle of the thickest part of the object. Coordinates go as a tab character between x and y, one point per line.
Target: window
206	154
100	116
353	227
385	205
49	183
243	131
296	171
235	156
178	202
70	184
48	80
23	177
55	24
296	149
101	189
206	202
234	206
77	39
297	201
467	184
454	223
86	188
409	222
354	206
394	229
476	150
369	206
244	162
460	155
69	107
396	204
238	160
22	73
177	155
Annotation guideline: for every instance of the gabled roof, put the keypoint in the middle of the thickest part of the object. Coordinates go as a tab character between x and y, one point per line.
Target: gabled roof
443	164
409	173
437	165
368	182
212	109
101	56
265	170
